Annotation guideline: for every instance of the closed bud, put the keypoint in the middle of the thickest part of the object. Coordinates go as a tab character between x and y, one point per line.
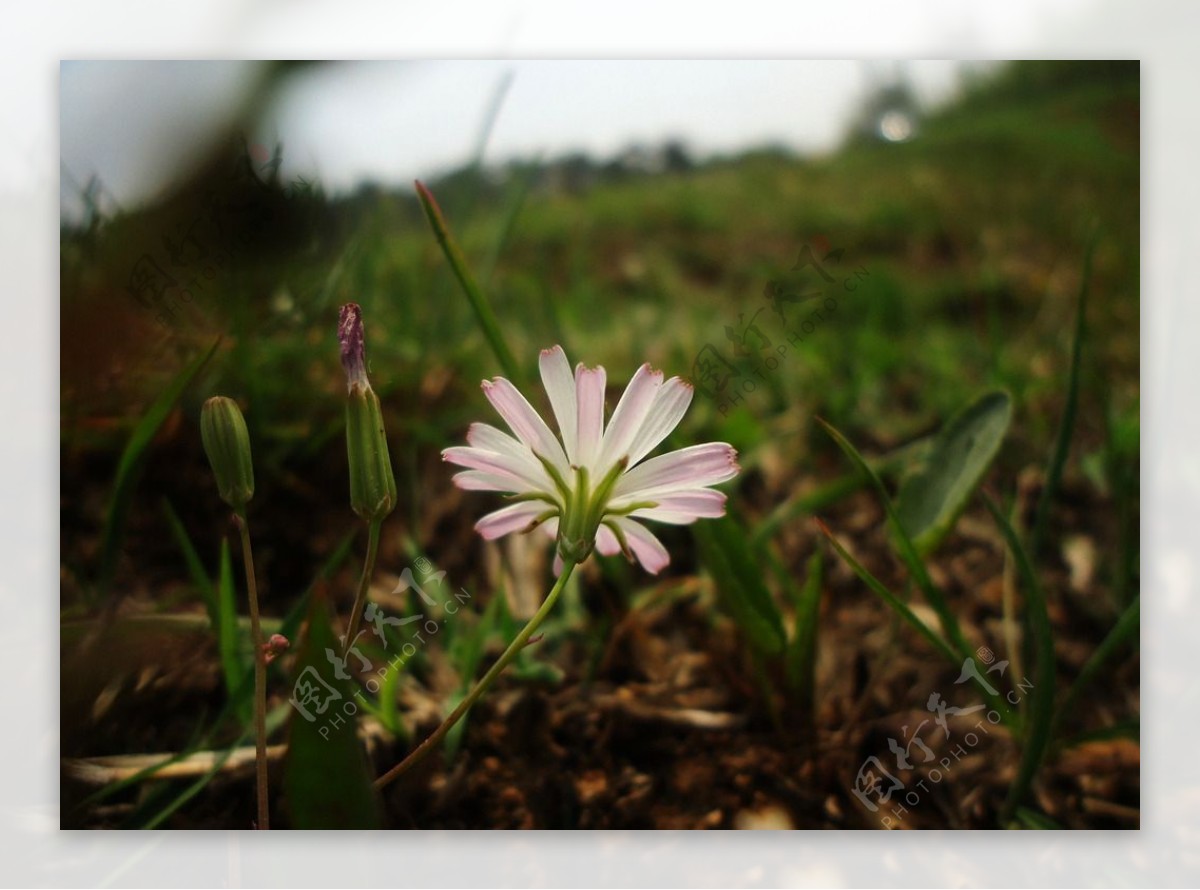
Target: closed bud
372	485
227	444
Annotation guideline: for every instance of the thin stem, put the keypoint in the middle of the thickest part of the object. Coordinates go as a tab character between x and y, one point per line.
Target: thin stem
418	754
364	583
260	680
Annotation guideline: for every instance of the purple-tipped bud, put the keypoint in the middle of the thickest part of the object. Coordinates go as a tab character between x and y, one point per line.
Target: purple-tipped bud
350	335
372	485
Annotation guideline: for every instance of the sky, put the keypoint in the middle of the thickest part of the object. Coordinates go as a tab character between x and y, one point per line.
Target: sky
136	125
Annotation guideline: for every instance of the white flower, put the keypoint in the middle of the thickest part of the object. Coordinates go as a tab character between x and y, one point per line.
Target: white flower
588	489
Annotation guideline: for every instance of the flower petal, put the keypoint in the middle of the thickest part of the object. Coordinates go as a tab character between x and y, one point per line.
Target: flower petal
477	480
560	387
628	417
648	549
520	471
682	508
516	517
526	423
693	467
606	541
668	409
487	437
589	400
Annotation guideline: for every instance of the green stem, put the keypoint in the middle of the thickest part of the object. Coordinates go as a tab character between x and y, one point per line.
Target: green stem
260	680
514	648
364	583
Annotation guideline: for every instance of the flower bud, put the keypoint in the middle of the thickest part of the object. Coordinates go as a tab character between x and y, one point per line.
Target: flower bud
227	444
372	485
274	647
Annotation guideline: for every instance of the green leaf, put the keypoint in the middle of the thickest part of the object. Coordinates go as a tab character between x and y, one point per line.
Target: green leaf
931	499
729	557
131	461
1037	734
326	777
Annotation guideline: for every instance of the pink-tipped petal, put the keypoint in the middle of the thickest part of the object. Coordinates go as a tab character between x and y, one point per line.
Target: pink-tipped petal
693	467
684	507
525	423
510	519
606	541
477	480
628	417
560	387
489	438
670	404
521	472
589	400
648	549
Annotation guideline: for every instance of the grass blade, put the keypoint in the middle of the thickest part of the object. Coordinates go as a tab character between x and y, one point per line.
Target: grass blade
176	801
892	600
1035	821
810	502
1126	626
904	544
1062	444
131	460
802	651
1041	714
728	556
483	310
195	565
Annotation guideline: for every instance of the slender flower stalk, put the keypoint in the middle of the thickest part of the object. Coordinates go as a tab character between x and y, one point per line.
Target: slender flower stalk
260	680
364	585
227	444
519	642
372	484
